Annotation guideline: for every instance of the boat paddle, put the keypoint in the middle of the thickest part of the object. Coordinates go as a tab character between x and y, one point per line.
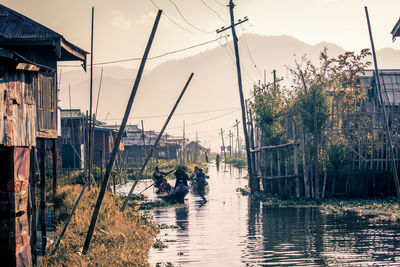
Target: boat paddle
154	183
147	188
198	192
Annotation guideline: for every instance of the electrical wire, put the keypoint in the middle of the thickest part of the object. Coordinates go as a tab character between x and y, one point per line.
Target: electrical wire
173	21
246	46
183	17
139	58
220	3
246	74
207	120
215	12
203	121
178	114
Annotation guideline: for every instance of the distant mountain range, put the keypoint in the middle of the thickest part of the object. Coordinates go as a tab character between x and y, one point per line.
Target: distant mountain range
214	86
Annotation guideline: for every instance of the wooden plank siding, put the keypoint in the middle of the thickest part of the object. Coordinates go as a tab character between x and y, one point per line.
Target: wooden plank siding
46	99
18	107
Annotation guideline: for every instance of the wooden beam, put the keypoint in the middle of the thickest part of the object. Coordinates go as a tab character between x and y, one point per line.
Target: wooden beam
119	137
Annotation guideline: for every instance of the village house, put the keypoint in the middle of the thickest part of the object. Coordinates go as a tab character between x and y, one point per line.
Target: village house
29	53
74	139
137	143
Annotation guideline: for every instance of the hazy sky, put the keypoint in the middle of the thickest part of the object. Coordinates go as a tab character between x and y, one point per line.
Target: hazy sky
122	26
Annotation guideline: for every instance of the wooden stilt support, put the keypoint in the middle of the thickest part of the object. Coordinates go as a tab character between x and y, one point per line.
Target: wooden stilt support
43	194
54	141
33	211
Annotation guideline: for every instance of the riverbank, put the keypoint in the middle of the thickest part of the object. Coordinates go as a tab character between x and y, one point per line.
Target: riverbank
236	162
121	238
378	209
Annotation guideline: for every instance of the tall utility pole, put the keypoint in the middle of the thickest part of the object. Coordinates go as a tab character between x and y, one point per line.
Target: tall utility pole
183	143
90	110
274	75
239	75
230	143
237	139
144	140
197	146
385	116
223	144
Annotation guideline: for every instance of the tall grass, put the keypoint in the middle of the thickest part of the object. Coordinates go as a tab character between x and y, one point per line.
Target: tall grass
120	238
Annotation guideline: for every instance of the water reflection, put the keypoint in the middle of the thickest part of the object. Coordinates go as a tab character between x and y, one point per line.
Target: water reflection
305	237
233	230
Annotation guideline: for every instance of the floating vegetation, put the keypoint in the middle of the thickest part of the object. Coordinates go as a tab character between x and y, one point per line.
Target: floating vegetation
164	264
159	244
165	226
374	209
236	162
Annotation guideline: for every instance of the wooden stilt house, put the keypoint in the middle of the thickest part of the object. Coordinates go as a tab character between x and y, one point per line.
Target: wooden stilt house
29	53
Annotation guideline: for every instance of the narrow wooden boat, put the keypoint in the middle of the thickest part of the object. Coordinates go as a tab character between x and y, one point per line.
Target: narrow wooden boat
176	195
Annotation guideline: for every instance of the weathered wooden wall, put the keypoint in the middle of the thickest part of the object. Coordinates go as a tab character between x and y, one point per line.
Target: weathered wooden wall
17	107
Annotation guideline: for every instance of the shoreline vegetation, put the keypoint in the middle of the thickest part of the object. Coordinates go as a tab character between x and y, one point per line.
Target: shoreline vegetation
121	238
236	162
376	209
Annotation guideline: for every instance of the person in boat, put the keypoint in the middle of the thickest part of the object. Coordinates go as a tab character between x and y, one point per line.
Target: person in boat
158	177
164	187
194	173
181	177
201	177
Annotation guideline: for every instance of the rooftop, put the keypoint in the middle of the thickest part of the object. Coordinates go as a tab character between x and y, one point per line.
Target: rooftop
19	30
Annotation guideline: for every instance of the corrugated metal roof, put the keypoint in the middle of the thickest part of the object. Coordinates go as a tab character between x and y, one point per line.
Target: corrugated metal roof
396	30
16	26
389	81
17	29
71	113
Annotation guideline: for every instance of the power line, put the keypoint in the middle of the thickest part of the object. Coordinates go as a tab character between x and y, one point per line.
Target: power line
179	114
183	17
173	21
202	121
207	120
246	74
215	12
150	58
249	52
220	3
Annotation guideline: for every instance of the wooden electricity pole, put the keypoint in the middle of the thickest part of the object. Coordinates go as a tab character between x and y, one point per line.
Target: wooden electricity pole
230	143
197	147
223	143
183	143
238	151
239	75
119	136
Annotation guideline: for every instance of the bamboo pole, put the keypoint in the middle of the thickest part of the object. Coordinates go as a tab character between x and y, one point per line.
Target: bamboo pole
119	137
156	143
90	106
389	138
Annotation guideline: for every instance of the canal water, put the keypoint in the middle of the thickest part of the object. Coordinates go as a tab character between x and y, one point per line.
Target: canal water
232	230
